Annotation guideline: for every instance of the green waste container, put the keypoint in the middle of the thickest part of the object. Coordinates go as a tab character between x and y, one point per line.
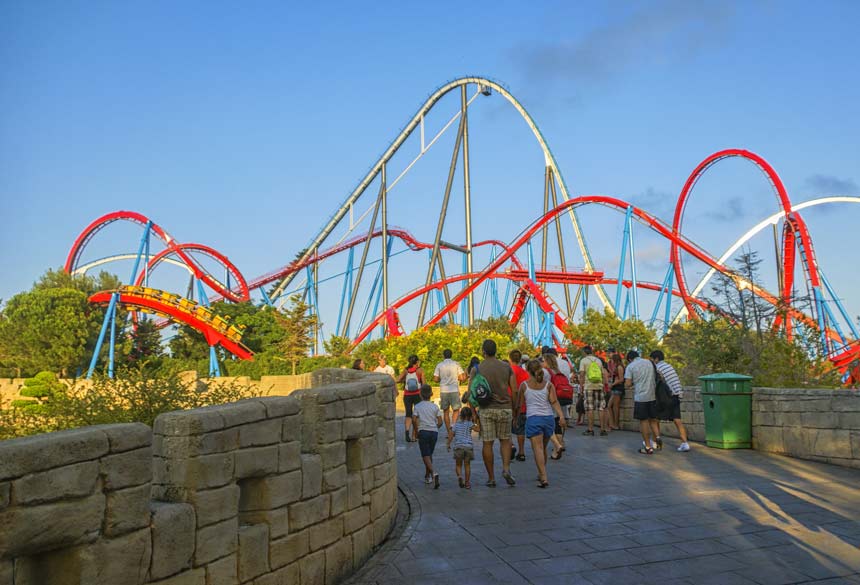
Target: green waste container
727	403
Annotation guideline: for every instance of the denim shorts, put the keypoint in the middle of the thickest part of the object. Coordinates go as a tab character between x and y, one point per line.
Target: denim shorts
540	426
427	442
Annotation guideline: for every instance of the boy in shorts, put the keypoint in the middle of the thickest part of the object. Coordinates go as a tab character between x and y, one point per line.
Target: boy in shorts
427	418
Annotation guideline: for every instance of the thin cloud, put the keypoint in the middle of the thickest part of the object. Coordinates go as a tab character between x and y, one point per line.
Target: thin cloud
655	202
663	32
731	211
830	185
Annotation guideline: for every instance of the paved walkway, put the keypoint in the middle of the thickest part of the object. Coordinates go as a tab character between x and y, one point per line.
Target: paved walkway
613	516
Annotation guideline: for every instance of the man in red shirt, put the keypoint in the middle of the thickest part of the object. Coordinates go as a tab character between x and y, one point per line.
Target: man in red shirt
518	425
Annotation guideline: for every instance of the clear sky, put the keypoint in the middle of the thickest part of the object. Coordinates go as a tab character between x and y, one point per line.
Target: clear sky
244	126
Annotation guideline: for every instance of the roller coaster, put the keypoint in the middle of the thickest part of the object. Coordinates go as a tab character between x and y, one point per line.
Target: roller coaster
502	276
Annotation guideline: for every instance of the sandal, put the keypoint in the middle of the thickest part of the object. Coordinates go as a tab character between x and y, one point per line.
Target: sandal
646	451
468	485
460	482
491	483
520	457
543	483
509	478
557	455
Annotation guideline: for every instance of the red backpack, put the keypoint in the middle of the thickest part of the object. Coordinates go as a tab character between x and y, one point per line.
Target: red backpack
563	389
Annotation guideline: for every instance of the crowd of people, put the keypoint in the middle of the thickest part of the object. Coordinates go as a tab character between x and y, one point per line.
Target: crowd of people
534	399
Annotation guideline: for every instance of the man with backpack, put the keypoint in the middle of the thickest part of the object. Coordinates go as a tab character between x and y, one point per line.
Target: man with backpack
670	376
449	374
489	387
592	376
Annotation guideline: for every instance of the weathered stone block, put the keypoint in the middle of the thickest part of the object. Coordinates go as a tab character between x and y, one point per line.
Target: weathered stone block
356	519
127	510
188	422
277	520
256	461
193	577
855	445
241	412
5	495
354	490
70	481
356	407
382	526
333	454
253	551
269	493
309	512
216	541
289	456
206	471
312	569
127	437
280	406
325	533
796	441
338	501
173	537
362	546
849	421
353	428
264	432
334	478
831	443
329	431
28	529
224	571
367	451
127	469
6	576
845	401
312	475
288	575
768	439
284	551
291	429
183	447
820	420
382	498
215	505
369	426
338	561
331	411
39	452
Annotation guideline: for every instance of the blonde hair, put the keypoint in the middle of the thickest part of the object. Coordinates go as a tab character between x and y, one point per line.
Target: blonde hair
536	370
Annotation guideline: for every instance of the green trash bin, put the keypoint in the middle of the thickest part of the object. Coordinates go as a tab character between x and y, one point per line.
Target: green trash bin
727	403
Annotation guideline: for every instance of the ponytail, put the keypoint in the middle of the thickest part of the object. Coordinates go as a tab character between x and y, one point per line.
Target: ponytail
536	370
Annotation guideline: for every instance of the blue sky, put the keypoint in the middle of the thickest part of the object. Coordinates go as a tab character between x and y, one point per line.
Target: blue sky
245	126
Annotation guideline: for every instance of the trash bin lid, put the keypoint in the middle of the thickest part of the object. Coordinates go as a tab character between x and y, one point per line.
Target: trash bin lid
726	376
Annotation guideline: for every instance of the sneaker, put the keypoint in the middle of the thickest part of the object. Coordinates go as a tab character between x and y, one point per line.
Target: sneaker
408	437
509	478
683	447
659	446
428	480
589	433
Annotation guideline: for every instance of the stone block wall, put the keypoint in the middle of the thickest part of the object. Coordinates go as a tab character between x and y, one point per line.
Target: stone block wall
816	424
297	489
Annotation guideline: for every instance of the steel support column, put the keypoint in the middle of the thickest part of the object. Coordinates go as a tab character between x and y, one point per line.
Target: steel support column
383	189
467	193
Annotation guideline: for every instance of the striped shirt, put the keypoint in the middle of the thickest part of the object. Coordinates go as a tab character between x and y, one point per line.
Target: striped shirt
463	434
671	377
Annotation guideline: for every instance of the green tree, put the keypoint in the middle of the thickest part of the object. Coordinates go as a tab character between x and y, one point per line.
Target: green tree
145	341
59	278
606	329
298	327
53	329
39	393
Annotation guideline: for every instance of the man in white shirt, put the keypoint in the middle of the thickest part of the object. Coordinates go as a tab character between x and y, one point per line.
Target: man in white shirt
639	376
449	374
383	367
670	376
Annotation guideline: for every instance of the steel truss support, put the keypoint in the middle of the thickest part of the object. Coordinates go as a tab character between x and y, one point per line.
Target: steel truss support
567	304
467	196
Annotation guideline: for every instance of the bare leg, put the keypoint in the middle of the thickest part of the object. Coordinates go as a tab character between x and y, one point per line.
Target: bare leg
682	430
540	455
655	427
556	442
645	430
428	466
505	452
487	454
458	465
591	420
521	442
448	422
468	465
545	450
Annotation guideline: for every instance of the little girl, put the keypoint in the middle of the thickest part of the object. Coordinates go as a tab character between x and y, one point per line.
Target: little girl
463	450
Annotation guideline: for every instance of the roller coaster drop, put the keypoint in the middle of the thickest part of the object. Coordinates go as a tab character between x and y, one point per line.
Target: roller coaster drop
531	307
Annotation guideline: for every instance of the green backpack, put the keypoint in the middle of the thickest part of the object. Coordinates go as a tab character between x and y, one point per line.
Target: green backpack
594	373
480	393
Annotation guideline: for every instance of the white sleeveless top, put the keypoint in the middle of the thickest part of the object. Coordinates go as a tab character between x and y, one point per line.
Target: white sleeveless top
537	401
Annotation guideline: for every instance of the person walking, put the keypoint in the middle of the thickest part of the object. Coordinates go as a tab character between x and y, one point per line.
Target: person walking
616	389
496	416
542	408
427	418
564	394
463	447
412	379
670	376
449	374
518	424
639	377
592	376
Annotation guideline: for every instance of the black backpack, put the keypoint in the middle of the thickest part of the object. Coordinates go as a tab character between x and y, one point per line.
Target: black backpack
663	395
